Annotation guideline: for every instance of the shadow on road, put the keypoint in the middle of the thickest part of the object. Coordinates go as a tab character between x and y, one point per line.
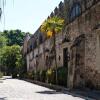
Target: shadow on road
63	92
3	98
48	92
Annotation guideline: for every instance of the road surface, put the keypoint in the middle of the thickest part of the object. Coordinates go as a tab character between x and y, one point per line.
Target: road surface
14	89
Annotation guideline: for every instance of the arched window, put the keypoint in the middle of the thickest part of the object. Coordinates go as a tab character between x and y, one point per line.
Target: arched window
35	44
75	11
30	46
40	39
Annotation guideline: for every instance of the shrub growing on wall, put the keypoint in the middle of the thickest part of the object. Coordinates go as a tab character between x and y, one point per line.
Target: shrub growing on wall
43	75
62	76
51	76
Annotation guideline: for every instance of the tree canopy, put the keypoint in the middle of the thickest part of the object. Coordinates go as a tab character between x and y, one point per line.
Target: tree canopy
10	51
10	57
52	25
3	41
14	37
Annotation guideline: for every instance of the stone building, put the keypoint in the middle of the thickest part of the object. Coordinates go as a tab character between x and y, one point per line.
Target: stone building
77	46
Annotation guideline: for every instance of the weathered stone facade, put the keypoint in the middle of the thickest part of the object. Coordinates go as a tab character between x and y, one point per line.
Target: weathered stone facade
77	46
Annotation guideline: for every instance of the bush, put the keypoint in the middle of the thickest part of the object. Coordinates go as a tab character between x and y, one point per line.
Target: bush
50	76
89	84
43	75
33	74
62	76
53	76
22	75
29	75
37	75
1	74
14	75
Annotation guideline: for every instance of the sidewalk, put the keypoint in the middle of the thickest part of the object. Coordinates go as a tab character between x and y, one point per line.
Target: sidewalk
87	94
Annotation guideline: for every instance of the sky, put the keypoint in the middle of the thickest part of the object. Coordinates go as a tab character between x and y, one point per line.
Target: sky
26	15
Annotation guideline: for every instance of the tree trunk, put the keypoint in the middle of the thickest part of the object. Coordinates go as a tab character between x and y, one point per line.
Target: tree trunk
55	56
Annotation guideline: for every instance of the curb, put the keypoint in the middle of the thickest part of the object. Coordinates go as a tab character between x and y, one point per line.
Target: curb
59	89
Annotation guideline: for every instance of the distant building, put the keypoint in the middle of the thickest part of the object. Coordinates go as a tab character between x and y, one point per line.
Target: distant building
77	46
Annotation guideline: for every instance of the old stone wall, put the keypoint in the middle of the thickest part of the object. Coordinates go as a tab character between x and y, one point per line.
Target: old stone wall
92	75
83	68
79	36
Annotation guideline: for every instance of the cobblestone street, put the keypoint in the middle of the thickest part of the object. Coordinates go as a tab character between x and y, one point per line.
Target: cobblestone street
13	89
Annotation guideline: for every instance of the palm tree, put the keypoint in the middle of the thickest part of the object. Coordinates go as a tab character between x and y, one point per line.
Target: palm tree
50	27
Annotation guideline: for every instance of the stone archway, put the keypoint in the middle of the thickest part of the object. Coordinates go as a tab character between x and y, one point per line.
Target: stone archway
77	63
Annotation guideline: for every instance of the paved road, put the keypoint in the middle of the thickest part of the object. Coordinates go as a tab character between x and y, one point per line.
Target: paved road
13	89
